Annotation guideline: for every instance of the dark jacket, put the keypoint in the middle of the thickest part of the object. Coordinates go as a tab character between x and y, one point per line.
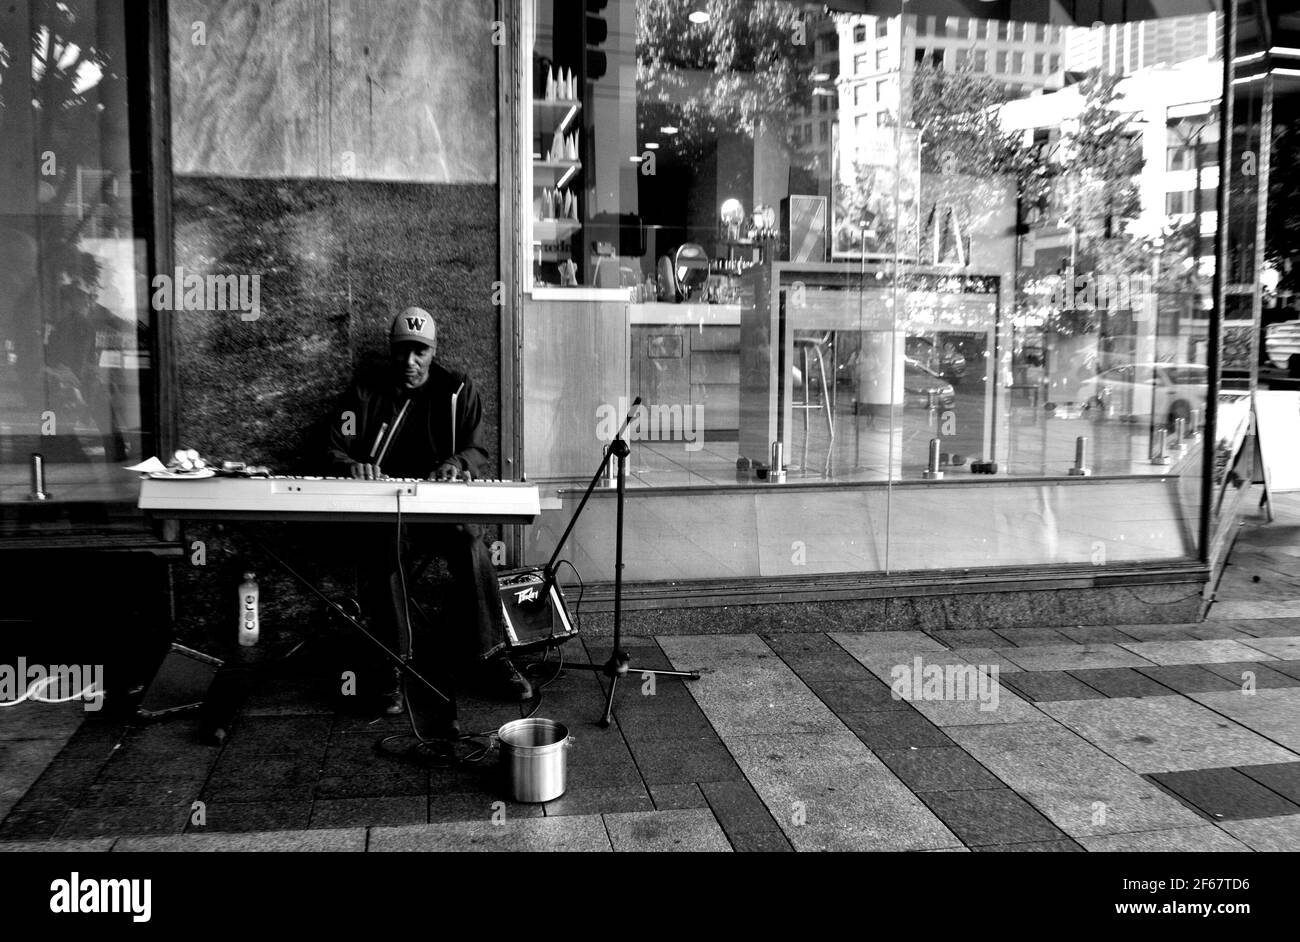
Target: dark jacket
425	439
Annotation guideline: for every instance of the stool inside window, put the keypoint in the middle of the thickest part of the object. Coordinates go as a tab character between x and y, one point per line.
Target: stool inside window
814	393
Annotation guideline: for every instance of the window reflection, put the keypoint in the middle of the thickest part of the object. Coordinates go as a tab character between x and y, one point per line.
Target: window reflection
72	324
1004	231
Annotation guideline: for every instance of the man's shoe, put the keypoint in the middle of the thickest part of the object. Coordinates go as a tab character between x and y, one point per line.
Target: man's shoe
507	681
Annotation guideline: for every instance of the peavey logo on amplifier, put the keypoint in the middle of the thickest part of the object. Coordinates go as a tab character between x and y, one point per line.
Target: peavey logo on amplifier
531	620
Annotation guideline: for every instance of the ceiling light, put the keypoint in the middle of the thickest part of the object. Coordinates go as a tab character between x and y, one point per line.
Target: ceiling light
698	16
652	146
668	129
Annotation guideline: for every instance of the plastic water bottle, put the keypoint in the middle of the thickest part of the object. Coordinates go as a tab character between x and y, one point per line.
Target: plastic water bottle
248	621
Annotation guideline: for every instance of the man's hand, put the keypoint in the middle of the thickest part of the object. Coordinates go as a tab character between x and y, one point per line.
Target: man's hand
367	472
450	471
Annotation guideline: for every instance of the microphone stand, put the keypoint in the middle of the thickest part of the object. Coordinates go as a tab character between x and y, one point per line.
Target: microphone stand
619	663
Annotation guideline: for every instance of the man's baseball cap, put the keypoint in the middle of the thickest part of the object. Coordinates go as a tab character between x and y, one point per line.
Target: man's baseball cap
414	325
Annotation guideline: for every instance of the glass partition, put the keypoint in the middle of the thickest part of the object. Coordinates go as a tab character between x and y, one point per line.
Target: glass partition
910	253
74	315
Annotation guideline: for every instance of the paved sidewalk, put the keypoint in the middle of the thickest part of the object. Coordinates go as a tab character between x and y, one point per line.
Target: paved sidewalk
1145	737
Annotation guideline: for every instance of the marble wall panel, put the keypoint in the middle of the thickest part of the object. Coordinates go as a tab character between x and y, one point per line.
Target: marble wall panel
401	90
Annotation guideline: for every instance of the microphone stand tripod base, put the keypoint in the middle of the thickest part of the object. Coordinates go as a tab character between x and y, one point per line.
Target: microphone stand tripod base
619	663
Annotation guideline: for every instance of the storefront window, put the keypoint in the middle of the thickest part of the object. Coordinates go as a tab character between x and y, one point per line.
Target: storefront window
74	323
966	283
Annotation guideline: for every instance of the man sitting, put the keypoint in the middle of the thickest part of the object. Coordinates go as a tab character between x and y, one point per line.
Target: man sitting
419	419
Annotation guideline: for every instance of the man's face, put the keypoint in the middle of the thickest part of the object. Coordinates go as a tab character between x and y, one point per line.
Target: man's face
411	361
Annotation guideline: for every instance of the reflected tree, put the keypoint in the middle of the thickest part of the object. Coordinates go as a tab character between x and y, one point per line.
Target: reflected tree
747	67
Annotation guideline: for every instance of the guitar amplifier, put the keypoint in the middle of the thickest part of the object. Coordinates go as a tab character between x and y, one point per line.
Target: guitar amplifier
532	621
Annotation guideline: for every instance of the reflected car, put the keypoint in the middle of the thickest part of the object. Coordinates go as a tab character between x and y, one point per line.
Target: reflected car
1165	391
920	384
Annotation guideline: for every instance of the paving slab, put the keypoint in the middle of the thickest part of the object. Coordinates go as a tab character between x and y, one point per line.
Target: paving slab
1282	648
1196	839
581	800
1225	794
1034	686
22	763
94	846
1168	734
985	657
1094	634
1277	835
990	816
139	794
34	719
684	760
400	780
1174	632
1081	789
1031	636
945	768
1281	777
1217	631
318	841
1271	713
1067	657
1261	608
250	816
676	797
693	829
540	835
1121	682
463	806
1031	847
738	808
895	729
747	688
1191	652
968	695
105	822
365	812
854	696
887	642
815	656
828	792
30	820
761	842
1290	668
968	638
1258	673
1268	627
1189	679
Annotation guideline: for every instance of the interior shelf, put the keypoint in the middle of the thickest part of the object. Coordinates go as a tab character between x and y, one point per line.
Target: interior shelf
548	172
553	230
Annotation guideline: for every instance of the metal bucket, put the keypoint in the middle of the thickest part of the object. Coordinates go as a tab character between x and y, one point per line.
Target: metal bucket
532	754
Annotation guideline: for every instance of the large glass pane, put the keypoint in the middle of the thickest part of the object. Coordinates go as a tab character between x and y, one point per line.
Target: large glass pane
919	269
74	361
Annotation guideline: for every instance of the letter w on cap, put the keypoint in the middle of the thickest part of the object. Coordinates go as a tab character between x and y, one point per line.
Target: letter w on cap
415	323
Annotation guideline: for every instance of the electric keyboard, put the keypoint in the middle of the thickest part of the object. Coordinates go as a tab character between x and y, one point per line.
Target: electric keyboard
346	500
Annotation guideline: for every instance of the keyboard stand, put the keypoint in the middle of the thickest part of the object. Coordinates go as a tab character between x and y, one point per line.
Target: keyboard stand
216	721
